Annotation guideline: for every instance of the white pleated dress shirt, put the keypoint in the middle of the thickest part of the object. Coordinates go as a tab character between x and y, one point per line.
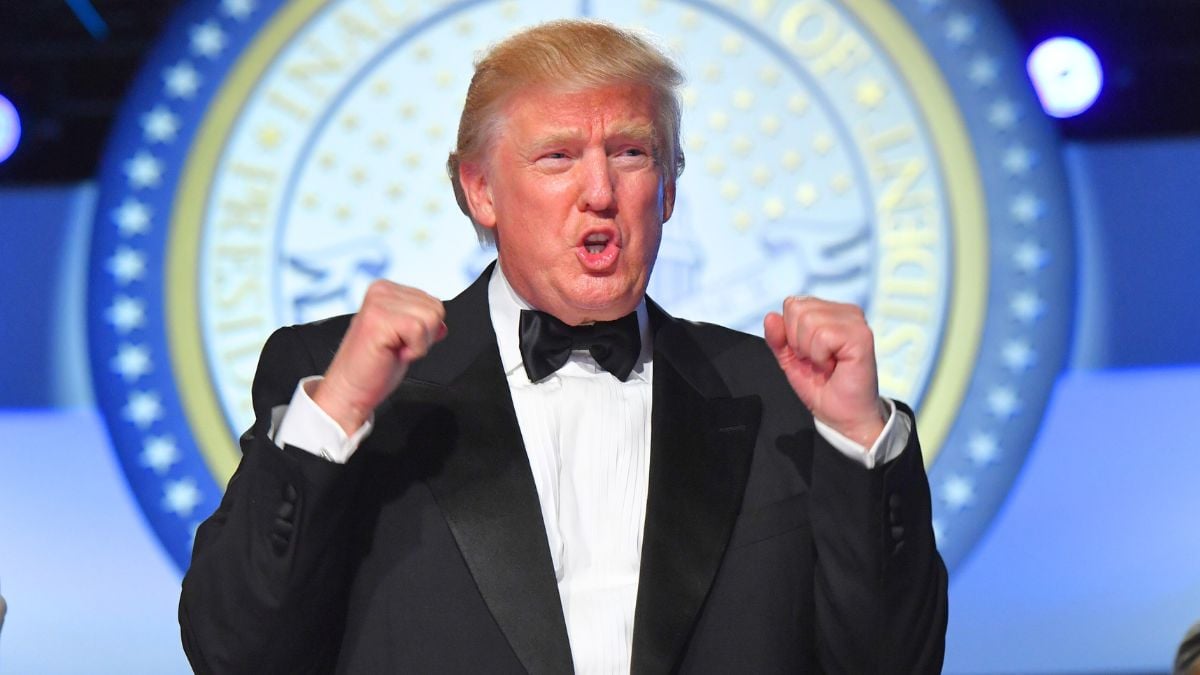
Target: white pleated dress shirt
587	435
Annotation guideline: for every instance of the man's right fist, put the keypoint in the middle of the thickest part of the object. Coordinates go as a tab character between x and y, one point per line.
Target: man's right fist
395	326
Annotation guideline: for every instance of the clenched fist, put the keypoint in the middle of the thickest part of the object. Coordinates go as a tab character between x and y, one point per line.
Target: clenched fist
395	326
827	352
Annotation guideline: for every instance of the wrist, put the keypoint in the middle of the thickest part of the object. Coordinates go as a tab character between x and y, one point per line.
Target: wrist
867	429
348	416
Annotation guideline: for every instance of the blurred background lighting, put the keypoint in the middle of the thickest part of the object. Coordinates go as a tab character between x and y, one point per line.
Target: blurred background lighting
1066	74
10	128
89	17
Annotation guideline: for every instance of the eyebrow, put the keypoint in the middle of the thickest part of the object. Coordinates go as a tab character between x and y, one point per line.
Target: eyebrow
637	132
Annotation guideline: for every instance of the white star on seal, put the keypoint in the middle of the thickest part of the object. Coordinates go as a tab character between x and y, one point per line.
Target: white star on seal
1026	208
982	448
181	497
181	80
1027	306
131	361
1018	355
237	9
126	265
1002	114
160	125
1003	402
143	409
143	170
207	39
1030	257
982	71
126	313
960	29
132	217
958	492
1018	160
159	453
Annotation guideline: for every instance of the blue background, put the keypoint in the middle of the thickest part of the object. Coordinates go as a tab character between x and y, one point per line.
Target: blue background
1090	566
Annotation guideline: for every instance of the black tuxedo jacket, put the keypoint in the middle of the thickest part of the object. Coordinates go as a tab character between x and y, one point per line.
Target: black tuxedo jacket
765	550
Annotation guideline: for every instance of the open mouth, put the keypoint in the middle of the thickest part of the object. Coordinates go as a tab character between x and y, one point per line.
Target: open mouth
599	250
596	242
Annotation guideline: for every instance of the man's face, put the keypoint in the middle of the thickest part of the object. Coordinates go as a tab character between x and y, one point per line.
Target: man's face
576	199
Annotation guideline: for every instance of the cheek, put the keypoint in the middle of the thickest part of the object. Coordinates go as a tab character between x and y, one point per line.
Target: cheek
648	194
653	239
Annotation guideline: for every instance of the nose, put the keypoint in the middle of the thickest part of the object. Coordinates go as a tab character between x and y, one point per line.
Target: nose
598	183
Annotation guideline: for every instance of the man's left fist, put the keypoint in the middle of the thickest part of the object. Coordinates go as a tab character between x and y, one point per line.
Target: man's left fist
827	352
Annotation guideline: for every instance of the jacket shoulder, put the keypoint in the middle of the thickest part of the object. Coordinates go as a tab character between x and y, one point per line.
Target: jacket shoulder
292	353
723	345
319	340
742	362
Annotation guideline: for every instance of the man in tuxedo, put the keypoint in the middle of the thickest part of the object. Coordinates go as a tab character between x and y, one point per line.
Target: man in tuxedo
550	474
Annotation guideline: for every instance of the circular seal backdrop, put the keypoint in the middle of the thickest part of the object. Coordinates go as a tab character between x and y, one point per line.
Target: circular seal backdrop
275	157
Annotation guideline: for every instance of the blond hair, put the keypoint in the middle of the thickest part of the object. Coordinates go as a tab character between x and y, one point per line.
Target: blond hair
570	55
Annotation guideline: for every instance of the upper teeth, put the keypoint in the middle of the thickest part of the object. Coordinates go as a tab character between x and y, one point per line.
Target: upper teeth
595	243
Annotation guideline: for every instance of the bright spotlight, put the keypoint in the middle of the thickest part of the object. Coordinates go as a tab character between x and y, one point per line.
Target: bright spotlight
10	128
1066	74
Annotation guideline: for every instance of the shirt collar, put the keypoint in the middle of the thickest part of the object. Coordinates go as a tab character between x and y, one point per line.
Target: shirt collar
505	306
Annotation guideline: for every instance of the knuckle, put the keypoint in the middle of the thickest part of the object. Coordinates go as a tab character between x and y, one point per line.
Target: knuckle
369	316
410	326
418	349
805	322
431	314
819	336
377	290
421	322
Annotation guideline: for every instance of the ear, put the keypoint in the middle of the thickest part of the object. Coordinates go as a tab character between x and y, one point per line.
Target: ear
478	193
668	200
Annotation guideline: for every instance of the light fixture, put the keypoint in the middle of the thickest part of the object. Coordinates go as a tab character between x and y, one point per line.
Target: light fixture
10	128
1066	74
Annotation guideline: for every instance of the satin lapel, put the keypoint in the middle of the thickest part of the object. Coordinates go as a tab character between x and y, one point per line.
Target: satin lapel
701	445
485	488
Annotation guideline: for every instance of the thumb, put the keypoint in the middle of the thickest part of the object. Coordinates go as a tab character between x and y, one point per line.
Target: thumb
796	370
775	333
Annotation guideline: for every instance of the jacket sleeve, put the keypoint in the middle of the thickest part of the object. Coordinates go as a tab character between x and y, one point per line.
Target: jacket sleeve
266	586
881	587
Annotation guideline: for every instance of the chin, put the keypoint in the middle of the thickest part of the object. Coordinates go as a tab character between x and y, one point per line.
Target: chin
606	301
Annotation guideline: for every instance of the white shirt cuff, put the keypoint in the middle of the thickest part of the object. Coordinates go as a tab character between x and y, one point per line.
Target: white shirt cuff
891	442
302	424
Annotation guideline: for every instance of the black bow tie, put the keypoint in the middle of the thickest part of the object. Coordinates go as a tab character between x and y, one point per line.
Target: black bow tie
546	343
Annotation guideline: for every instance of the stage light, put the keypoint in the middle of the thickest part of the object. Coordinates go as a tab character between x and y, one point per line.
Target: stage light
10	128
1066	74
